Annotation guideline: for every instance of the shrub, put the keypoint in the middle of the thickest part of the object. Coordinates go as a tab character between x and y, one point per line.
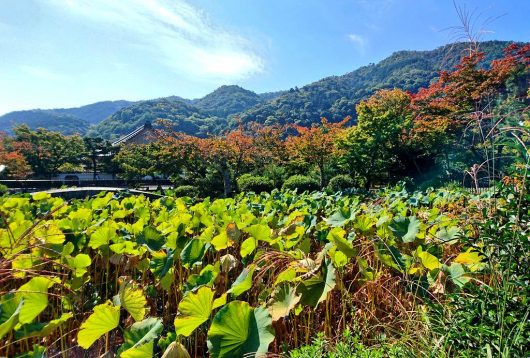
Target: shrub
3	189
186	190
253	183
340	183
302	183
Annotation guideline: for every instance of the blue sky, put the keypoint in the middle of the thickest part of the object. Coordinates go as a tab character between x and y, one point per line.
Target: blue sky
63	53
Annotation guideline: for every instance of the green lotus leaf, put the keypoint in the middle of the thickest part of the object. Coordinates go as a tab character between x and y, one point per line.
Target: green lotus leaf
206	277
287	275
79	264
9	313
339	218
337	237
221	241
405	228
35	296
315	289
194	310
105	318
448	235
42	329
428	260
21	263
143	351
457	274
151	238
193	252
243	282
259	232
365	223
238	329
42	195
103	235
167	280
140	334
248	246
161	262
132	299
284	299
50	234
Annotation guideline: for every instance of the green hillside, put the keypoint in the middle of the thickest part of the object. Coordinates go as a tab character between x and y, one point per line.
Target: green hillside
65	120
335	97
38	118
95	112
185	117
227	100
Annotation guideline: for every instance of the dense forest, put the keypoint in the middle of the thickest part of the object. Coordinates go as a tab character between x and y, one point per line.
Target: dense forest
333	98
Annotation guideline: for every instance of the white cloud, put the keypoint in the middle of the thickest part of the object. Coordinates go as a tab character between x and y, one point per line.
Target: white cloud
41	72
178	34
359	41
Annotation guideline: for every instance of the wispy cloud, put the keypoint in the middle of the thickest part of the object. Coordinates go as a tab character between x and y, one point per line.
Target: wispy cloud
41	73
180	35
359	41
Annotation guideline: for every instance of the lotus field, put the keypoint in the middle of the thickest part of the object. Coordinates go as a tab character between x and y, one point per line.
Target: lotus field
233	277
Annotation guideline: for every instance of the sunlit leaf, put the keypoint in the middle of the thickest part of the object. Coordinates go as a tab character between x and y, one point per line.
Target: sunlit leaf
283	300
35	296
238	329
194	310
243	282
105	318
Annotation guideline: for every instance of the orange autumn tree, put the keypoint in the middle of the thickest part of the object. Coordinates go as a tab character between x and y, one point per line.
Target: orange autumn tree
454	114
16	166
228	155
316	145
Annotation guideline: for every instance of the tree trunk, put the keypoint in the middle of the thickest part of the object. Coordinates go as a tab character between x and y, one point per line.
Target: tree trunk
227	181
322	178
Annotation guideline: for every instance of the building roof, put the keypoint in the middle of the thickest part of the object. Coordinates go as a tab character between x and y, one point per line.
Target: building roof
140	131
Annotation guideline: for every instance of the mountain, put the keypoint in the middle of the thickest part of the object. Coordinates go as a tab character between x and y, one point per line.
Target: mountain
95	112
184	116
202	116
227	100
38	118
65	120
335	97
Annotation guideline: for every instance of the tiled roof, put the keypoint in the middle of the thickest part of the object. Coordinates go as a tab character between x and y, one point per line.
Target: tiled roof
134	133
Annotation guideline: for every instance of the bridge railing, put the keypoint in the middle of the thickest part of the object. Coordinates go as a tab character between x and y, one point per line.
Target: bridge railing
32	184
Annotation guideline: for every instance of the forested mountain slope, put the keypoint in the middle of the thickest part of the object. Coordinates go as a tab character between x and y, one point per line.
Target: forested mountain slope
65	120
335	97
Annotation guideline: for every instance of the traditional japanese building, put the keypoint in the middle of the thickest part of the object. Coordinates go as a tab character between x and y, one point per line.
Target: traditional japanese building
141	135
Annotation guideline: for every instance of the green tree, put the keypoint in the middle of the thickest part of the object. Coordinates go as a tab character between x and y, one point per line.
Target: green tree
139	160
370	149
46	151
99	155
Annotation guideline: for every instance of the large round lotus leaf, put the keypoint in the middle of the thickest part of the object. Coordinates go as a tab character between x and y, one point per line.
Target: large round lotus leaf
238	329
315	289
35	296
105	318
194	310
139	335
132	299
284	299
